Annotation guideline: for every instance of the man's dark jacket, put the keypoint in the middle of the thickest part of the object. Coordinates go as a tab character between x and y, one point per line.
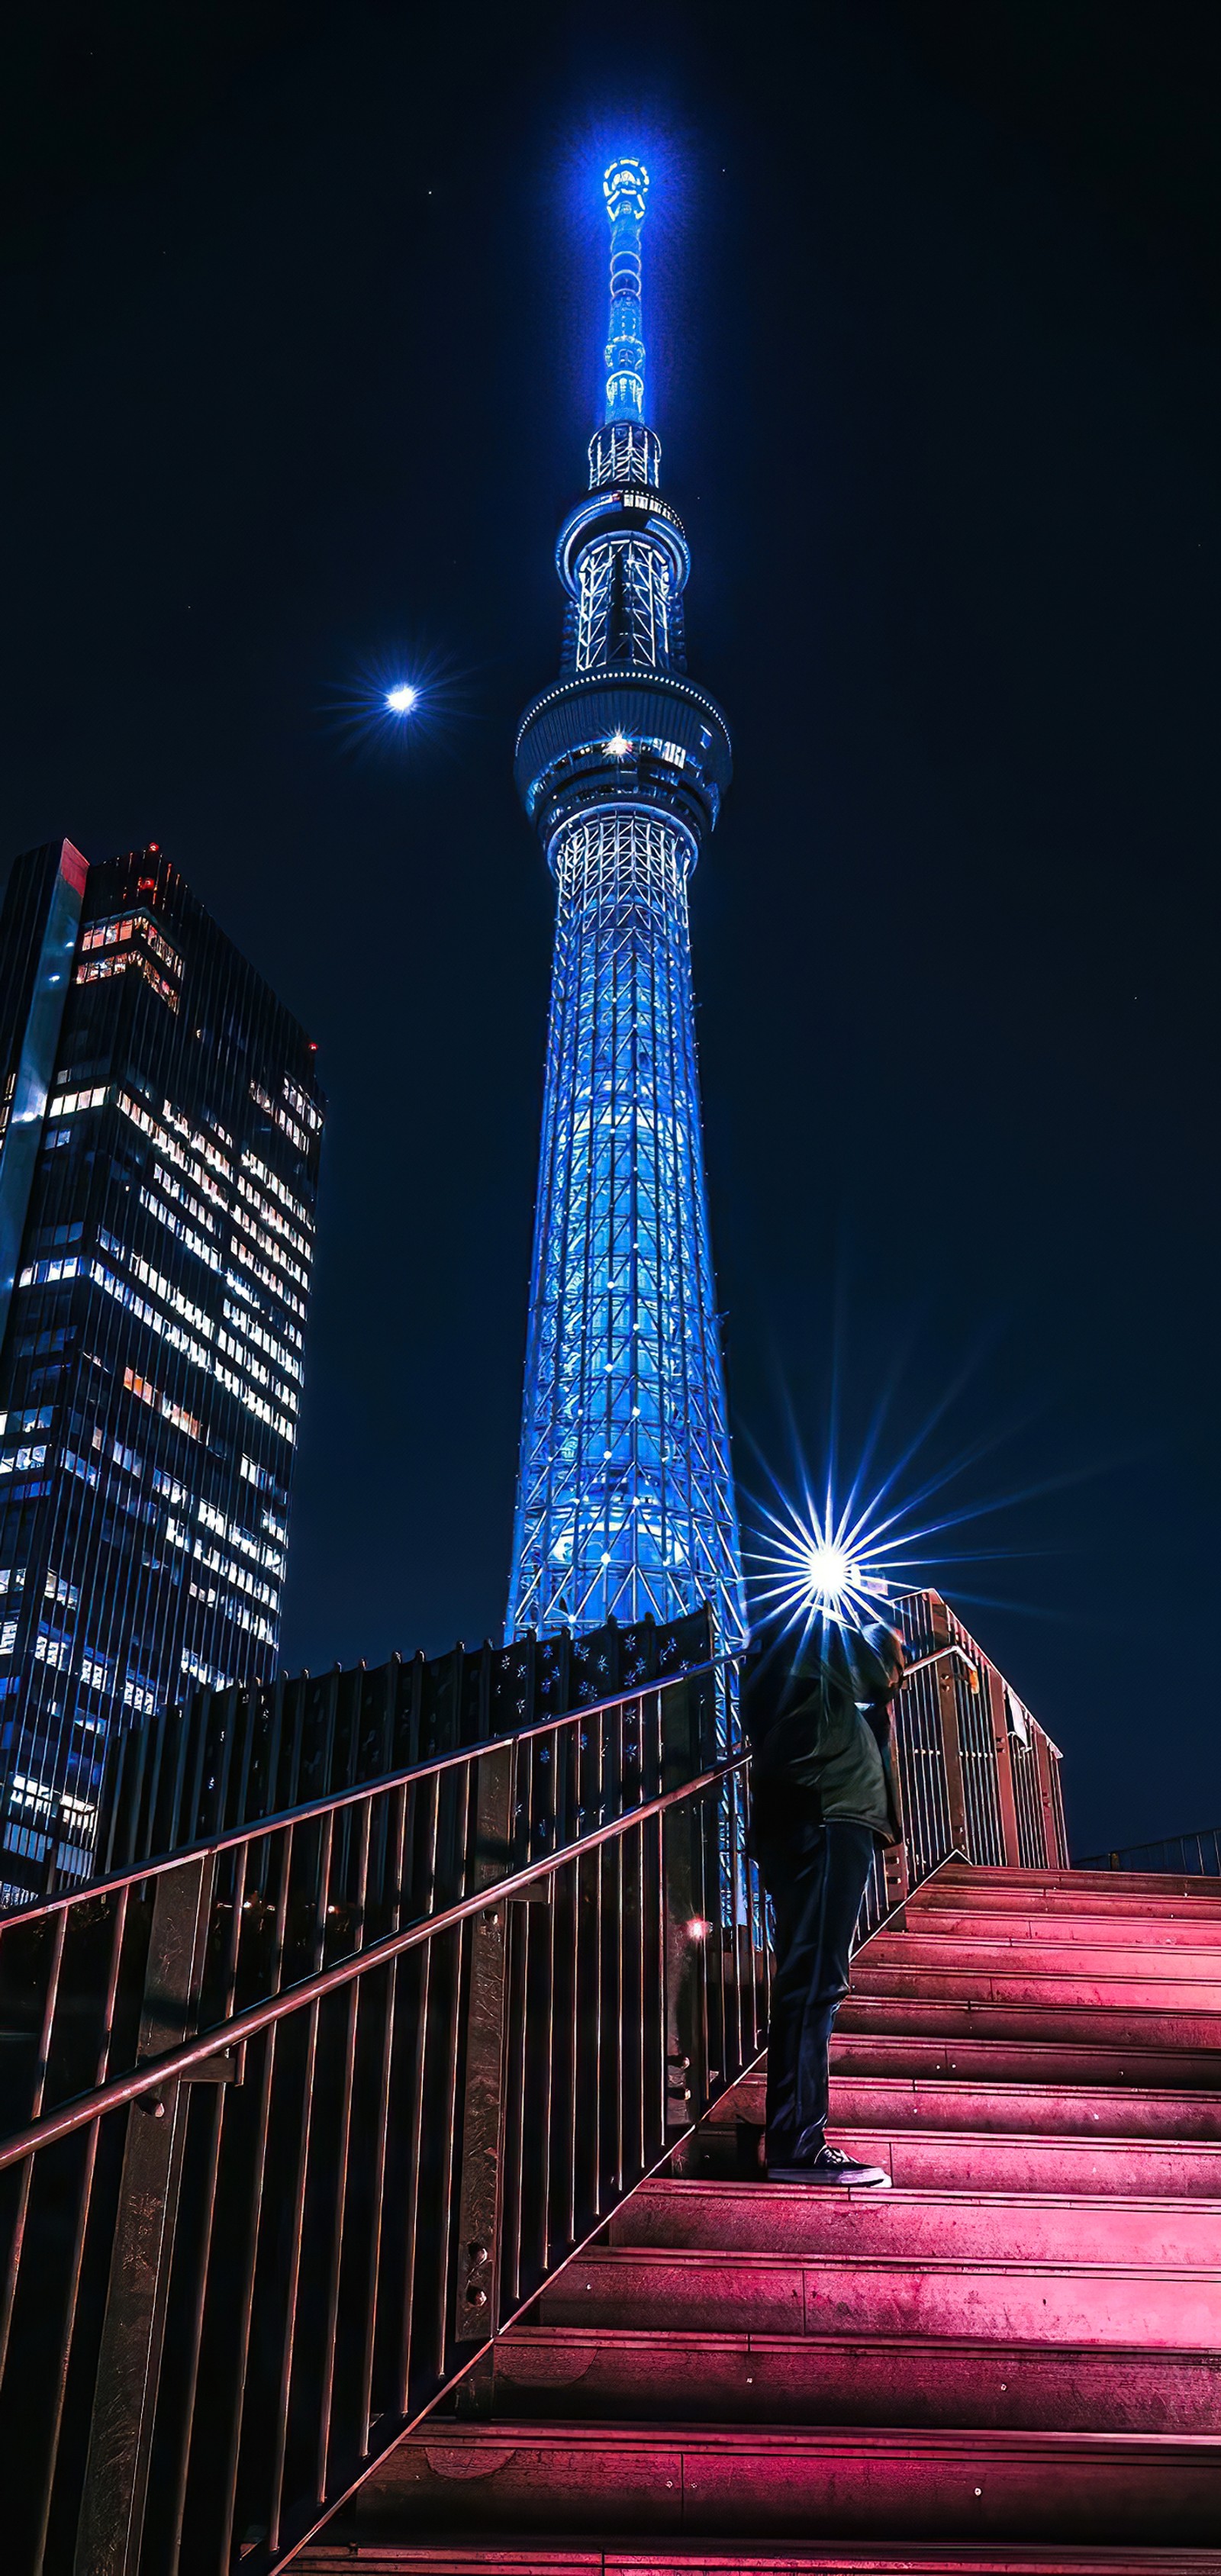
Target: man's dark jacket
819	1758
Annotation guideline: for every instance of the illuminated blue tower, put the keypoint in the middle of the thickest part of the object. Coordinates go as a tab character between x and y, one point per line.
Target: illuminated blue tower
625	1500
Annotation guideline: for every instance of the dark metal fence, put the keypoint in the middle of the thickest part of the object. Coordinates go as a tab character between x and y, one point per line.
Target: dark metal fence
1184	1855
976	1772
226	1757
297	2118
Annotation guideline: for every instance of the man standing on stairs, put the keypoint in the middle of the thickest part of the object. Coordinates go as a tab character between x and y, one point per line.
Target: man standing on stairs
824	1799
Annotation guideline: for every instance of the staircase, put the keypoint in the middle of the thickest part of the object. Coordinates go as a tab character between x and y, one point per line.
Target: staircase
1008	2362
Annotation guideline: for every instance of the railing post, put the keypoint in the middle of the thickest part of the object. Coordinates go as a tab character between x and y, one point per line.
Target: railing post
894	1858
111	2524
951	1748
1047	1799
1004	1768
481	2146
685	1898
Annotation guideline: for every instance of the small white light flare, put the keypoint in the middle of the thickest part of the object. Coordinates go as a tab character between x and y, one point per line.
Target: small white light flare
831	1574
402	699
697	1929
618	746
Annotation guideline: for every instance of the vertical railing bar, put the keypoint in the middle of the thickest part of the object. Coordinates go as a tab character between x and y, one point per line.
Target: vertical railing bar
275	1735
288	2348
120	1803
158	1792
548	2107
517	1933
373	2269
1051	1855
661	2100
570	2124
195	1825
619	1985
995	1687
245	2307
27	2170
217	2110
639	2089
660	1929
327	2376
141	1801
55	2424
738	1865
417	2112
598	1866
730	1977
410	2243
461	1940
84	2202
292	2292
243	1785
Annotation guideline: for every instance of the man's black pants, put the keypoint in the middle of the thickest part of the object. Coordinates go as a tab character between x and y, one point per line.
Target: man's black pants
816	1881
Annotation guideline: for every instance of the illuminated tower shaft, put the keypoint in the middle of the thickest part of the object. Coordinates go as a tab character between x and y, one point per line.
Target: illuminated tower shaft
625	1498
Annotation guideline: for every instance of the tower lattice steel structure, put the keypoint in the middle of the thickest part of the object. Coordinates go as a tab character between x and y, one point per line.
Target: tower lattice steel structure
625	1499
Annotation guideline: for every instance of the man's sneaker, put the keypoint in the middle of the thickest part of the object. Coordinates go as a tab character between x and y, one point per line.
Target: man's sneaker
831	2165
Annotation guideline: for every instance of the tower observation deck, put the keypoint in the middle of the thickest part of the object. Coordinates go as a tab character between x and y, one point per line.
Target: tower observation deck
625	1501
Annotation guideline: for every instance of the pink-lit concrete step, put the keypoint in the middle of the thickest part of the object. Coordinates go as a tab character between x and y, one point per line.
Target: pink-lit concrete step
619	2376
921	2226
1052	2110
989	1892
549	2555
953	1953
821	2293
988	2161
1115	2025
1141	1888
997	1977
895	2049
842	2482
953	1921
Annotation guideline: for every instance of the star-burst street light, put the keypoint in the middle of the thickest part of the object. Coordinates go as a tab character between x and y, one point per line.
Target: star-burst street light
402	698
830	1574
819	1565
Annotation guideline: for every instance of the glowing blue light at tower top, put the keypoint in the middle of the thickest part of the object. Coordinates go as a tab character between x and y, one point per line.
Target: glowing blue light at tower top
625	188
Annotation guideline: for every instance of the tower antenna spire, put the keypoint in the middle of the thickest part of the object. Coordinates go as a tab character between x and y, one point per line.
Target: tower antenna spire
626	189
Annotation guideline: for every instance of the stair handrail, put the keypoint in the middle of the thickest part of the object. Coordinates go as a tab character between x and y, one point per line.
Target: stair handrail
603	1841
171	2064
153	2073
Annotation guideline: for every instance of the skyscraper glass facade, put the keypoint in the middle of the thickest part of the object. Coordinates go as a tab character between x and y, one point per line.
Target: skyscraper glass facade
625	1504
158	1183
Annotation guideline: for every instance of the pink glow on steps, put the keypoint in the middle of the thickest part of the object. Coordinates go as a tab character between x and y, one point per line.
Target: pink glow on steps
1009	2357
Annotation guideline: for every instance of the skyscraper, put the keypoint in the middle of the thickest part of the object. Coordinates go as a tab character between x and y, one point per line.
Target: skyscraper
625	1500
161	1124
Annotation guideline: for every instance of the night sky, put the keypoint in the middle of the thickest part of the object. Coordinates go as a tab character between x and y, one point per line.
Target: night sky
302	310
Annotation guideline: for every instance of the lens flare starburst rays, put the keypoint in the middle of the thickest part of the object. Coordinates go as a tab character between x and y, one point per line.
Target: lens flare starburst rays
811	1561
399	700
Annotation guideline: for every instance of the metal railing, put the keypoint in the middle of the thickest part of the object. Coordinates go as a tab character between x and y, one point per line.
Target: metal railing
977	1774
298	2118
1182	1855
255	1749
